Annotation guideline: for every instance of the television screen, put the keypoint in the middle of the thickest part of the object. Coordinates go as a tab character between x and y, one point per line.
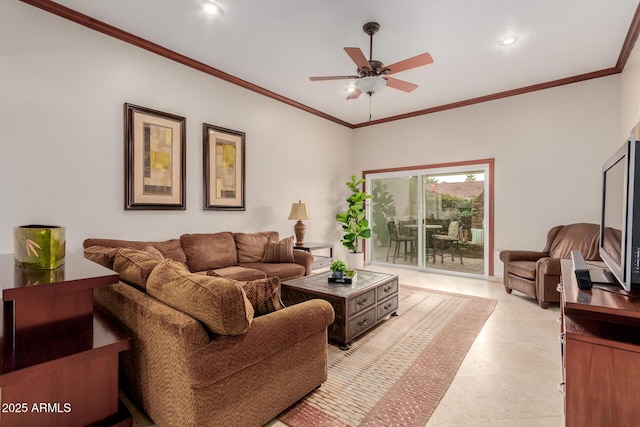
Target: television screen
614	211
619	234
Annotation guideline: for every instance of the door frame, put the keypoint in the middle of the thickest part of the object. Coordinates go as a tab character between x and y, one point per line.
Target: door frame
480	163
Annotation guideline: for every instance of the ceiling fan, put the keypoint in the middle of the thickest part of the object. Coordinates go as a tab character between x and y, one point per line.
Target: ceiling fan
373	75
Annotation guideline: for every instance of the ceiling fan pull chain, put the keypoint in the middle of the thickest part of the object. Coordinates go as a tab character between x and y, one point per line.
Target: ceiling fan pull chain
369	107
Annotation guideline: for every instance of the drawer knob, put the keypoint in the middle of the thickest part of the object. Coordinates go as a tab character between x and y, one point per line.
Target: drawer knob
362	301
387	288
362	322
387	306
559	288
561	338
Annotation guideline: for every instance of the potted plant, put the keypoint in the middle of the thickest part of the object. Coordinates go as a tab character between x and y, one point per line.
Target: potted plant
354	224
338	267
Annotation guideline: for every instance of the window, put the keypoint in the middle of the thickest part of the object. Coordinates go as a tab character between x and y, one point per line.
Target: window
435	217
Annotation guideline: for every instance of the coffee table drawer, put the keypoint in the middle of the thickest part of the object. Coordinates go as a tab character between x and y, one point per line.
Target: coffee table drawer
361	323
387	307
361	302
389	288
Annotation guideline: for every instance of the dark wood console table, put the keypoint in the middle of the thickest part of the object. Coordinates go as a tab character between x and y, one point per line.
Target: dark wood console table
58	359
601	353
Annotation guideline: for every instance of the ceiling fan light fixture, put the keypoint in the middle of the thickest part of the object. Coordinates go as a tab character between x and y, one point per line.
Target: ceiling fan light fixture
371	84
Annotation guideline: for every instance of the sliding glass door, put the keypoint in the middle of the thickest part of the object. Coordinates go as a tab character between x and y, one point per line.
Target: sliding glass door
434	218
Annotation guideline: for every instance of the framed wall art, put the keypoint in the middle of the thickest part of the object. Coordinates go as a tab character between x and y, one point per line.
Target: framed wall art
224	162
155	161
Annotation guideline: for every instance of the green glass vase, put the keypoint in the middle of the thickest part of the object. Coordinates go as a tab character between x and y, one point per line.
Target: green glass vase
39	246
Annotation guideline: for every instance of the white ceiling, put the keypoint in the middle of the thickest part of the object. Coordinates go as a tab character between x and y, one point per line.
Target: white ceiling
279	44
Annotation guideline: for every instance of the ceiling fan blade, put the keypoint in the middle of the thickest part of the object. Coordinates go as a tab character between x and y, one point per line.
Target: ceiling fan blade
358	57
316	79
400	84
407	64
356	93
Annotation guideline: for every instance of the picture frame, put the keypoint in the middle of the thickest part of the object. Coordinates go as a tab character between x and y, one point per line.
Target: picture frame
224	168
155	159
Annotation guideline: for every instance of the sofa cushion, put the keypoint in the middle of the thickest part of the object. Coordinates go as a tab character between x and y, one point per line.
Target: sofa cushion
240	273
263	294
281	251
209	251
101	254
282	270
220	304
134	266
250	247
171	249
525	269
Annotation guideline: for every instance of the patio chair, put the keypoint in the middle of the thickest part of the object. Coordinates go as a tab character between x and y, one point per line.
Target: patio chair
395	237
452	238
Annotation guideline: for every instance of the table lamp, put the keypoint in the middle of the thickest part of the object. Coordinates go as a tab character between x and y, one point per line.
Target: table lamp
299	212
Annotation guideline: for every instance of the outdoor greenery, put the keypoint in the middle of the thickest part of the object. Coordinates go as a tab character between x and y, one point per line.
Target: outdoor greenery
354	224
383	209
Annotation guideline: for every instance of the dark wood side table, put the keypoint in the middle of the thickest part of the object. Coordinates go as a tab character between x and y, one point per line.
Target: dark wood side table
358	307
319	261
58	359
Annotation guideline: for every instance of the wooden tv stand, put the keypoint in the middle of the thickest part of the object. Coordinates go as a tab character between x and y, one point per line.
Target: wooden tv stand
58	359
600	353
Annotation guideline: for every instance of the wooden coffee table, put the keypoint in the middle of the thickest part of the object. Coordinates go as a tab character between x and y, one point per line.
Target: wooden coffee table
358	307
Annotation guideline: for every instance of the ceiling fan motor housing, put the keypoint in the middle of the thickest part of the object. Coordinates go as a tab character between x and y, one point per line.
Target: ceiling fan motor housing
377	68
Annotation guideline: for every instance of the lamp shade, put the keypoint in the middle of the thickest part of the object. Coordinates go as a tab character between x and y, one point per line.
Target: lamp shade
299	211
370	84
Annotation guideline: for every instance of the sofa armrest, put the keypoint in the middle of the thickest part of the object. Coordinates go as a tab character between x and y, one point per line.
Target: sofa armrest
548	276
515	255
162	339
548	266
268	334
305	259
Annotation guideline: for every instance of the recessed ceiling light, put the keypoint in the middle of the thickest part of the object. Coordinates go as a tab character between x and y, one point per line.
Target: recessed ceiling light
508	41
211	8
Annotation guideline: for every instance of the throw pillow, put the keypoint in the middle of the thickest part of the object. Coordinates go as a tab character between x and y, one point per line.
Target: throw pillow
251	246
220	304
209	251
264	294
134	265
281	251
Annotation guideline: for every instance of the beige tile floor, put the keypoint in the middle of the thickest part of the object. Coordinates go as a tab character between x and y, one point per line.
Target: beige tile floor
510	375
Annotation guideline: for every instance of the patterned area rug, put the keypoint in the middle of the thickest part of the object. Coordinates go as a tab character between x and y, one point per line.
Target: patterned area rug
395	374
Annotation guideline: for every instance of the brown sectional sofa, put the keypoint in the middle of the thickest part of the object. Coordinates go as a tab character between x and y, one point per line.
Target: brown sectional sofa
234	255
203	354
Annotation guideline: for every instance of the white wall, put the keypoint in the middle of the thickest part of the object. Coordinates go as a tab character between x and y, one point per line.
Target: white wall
630	93
62	90
548	146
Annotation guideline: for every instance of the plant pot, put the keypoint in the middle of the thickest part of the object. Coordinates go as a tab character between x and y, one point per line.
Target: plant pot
337	274
355	260
39	246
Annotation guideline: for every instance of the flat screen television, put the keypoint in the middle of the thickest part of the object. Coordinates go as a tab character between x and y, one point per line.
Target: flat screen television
620	221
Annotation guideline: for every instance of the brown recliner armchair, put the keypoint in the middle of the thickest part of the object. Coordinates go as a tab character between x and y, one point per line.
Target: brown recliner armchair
537	274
